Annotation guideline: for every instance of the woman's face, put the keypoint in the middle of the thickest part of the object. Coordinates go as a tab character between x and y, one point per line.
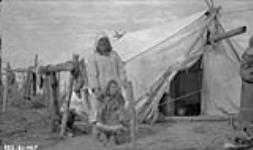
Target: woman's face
103	45
113	89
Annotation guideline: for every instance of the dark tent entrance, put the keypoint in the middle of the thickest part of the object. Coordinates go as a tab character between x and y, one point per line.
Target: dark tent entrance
185	93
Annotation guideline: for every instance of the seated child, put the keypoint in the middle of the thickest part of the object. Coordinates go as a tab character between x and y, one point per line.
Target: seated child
111	110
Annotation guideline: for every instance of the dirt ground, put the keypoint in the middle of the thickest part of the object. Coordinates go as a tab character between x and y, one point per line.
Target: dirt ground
162	136
25	127
29	127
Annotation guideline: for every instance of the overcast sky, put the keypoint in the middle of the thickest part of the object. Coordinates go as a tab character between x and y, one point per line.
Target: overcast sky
57	28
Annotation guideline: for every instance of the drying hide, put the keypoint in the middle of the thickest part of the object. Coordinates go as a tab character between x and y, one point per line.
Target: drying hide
30	85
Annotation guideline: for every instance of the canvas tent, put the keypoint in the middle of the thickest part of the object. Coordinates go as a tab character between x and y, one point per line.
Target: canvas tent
154	56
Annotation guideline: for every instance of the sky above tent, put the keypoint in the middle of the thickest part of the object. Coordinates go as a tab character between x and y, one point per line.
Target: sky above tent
55	29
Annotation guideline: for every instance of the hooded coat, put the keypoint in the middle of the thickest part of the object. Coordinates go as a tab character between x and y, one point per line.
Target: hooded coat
246	106
101	70
104	68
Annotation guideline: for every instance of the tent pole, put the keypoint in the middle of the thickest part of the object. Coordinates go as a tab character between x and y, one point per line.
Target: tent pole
133	114
208	4
196	41
212	3
230	34
228	40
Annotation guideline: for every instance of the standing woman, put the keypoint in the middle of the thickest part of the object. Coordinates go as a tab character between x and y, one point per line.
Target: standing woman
103	66
246	108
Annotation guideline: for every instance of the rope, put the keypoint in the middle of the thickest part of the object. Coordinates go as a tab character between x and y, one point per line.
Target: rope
194	92
182	97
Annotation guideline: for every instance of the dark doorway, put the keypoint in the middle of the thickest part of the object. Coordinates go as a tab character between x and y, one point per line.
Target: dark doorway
185	89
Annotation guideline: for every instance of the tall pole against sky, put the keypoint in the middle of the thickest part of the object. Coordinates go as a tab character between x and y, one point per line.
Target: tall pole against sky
1	84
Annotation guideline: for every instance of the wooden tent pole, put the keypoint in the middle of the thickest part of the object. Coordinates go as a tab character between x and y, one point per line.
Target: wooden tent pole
208	4
228	40
133	114
229	34
212	3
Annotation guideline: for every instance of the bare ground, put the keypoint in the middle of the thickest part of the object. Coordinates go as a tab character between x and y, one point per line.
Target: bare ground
29	127
162	136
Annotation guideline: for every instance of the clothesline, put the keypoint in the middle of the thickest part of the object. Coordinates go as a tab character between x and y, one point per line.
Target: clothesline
192	93
182	97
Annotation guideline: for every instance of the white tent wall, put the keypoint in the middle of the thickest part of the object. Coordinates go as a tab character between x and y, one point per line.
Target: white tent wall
178	45
156	49
221	79
152	52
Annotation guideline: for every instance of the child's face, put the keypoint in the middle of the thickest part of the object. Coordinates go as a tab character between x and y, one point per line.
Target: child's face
113	89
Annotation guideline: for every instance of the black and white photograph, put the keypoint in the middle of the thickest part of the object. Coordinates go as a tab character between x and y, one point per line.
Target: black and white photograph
126	74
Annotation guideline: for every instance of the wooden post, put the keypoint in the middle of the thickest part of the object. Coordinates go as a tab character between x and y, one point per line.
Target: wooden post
65	88
54	105
68	99
133	114
59	85
23	80
46	88
5	96
36	61
1	83
66	104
